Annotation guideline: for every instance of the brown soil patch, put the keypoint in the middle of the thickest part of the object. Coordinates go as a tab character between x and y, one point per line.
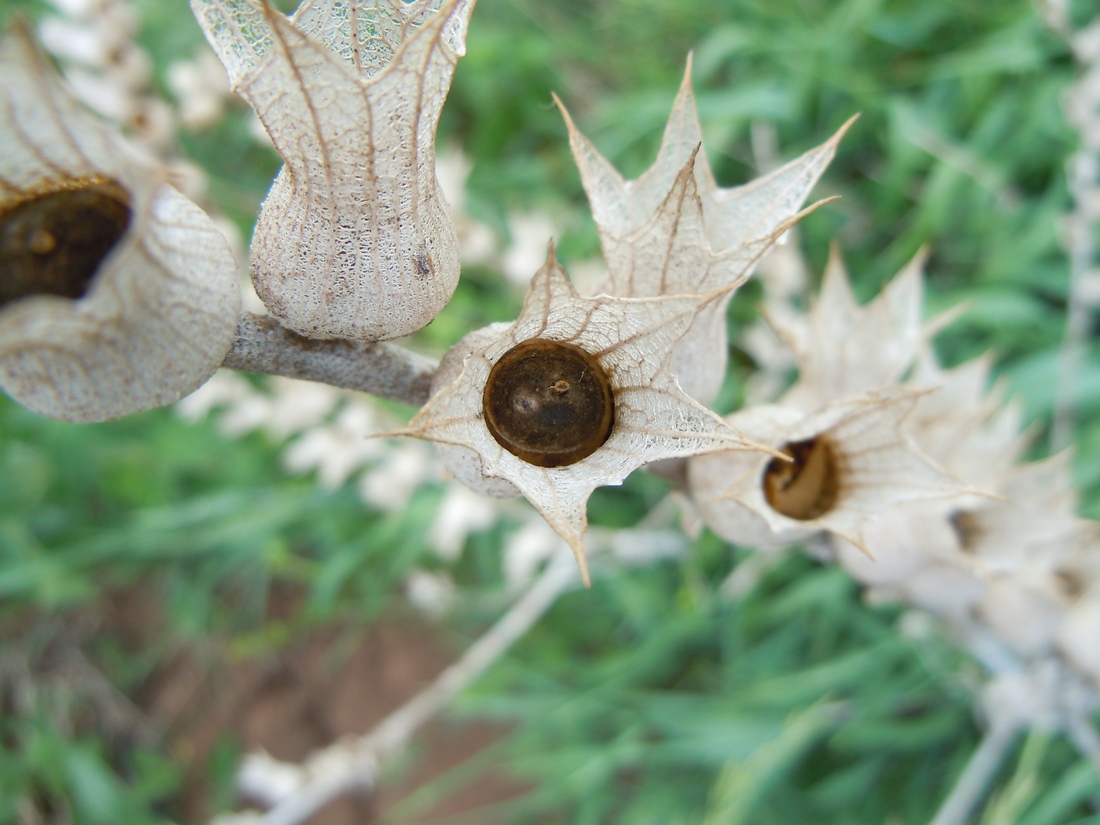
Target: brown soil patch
326	684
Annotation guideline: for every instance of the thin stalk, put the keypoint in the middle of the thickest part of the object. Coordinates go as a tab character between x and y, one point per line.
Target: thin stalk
978	775
263	346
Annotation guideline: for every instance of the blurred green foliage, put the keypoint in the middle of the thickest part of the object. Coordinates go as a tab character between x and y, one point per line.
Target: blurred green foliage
649	699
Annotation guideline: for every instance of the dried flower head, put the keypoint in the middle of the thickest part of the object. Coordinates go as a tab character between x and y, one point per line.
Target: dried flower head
354	239
850	460
574	395
675	231
118	294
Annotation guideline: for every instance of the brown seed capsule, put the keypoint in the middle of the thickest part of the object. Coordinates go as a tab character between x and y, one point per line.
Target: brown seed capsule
548	403
806	487
53	242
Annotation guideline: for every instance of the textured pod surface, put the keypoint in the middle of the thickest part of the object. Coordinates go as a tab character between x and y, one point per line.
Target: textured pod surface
354	239
851	461
632	342
673	230
119	294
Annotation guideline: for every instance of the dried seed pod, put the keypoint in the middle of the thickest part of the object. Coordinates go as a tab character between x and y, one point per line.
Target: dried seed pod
574	395
906	540
1032	526
354	239
850	461
675	231
118	294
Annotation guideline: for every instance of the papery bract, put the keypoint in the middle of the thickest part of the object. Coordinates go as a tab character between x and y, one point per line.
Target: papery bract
119	294
842	348
354	239
673	230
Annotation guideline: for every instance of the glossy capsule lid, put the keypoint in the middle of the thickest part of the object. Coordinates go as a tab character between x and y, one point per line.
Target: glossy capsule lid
549	403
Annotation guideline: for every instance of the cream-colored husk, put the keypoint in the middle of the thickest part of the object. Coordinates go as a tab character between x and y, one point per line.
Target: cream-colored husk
160	312
354	239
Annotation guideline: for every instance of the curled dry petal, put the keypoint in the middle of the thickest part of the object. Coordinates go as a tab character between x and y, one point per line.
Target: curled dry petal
842	348
675	231
620	346
851	461
354	239
118	293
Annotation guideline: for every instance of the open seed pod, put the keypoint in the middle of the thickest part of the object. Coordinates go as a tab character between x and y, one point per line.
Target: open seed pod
850	462
574	395
1033	528
117	294
908	538
354	239
675	231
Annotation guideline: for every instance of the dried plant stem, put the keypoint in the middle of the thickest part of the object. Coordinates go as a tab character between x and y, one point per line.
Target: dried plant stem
261	345
354	765
979	772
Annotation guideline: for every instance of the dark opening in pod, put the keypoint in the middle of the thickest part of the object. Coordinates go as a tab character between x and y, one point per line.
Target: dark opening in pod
806	487
548	403
52	242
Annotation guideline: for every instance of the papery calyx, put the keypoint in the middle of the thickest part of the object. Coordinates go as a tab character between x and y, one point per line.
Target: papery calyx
850	462
119	294
842	348
615	353
673	230
354	239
